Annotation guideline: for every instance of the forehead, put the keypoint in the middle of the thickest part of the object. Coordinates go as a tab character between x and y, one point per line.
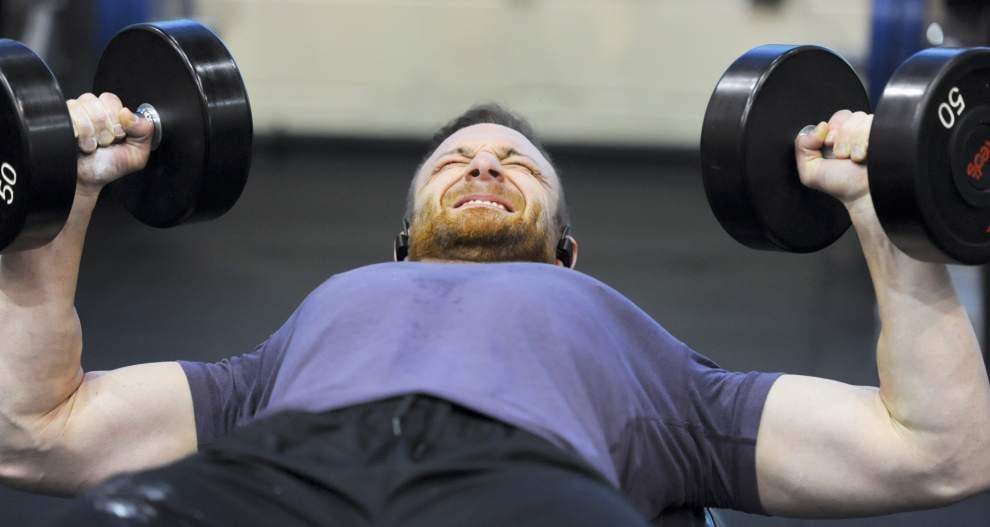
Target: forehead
492	137
487	134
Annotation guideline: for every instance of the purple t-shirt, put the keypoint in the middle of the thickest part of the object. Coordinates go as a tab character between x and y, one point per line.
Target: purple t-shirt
547	349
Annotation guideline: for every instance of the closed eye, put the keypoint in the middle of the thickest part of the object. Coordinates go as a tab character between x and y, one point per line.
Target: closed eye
527	168
443	165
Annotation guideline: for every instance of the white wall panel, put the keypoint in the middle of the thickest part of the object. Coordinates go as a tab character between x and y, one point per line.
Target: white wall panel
621	71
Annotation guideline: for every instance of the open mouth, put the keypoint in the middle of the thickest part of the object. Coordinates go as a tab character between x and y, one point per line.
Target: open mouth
486	200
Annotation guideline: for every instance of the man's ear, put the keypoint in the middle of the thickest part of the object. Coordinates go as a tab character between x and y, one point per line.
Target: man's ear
573	243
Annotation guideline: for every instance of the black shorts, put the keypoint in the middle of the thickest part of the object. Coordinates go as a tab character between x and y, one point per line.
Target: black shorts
414	461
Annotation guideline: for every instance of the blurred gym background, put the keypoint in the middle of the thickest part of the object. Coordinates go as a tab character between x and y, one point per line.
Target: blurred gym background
345	93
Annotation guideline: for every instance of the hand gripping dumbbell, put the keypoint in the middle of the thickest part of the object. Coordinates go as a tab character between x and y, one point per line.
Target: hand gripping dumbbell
177	74
929	144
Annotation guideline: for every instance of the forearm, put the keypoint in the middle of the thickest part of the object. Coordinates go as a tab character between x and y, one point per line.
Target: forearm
933	381
42	339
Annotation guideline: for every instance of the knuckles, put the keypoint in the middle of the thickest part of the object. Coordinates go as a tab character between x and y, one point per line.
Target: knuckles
108	97
94	116
850	127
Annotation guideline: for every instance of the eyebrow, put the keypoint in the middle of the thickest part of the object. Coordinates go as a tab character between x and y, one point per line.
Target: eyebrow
501	154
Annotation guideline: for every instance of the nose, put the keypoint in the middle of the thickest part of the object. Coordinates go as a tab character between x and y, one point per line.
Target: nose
484	166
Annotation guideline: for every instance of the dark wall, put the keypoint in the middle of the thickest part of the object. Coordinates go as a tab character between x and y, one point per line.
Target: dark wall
210	290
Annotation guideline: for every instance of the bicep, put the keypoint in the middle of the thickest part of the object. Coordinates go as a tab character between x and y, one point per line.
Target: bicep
129	419
828	449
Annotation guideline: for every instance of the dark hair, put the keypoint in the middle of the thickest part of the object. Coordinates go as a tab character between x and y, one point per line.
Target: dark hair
493	113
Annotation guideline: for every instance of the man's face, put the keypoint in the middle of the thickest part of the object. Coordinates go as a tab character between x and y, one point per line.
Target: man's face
485	195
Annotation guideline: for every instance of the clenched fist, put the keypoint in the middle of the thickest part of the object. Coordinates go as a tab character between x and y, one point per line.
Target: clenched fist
844	177
113	141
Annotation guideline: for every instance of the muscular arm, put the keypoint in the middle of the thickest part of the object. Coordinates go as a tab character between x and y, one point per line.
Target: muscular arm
39	361
61	430
920	440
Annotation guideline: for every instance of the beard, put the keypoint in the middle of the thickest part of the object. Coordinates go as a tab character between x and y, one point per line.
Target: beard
482	235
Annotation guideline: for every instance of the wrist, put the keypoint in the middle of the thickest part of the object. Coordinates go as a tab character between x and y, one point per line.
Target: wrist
864	219
83	204
891	269
861	210
88	192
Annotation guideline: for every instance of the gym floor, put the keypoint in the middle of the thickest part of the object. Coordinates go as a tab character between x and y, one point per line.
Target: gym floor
314	208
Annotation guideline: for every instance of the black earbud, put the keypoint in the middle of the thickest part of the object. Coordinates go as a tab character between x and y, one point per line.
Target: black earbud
401	248
565	248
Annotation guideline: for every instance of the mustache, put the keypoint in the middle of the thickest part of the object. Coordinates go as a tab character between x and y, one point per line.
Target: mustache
500	191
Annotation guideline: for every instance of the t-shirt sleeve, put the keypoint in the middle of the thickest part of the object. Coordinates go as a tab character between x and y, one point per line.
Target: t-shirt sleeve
231	391
724	410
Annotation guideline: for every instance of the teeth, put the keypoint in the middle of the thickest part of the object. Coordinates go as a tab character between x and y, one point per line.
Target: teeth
485	202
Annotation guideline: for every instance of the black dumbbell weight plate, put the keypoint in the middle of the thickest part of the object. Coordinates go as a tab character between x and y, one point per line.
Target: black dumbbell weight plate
37	151
929	147
747	145
184	71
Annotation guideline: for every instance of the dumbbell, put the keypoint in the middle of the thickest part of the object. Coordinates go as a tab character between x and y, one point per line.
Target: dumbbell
929	143
179	75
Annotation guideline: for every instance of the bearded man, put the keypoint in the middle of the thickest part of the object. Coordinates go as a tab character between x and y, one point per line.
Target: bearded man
481	380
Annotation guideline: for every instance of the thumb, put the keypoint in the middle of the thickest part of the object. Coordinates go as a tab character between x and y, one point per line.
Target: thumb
137	145
138	129
811	139
808	151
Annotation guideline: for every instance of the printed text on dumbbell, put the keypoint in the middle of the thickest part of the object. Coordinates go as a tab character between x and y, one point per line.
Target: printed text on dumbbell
975	167
947	111
8	178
